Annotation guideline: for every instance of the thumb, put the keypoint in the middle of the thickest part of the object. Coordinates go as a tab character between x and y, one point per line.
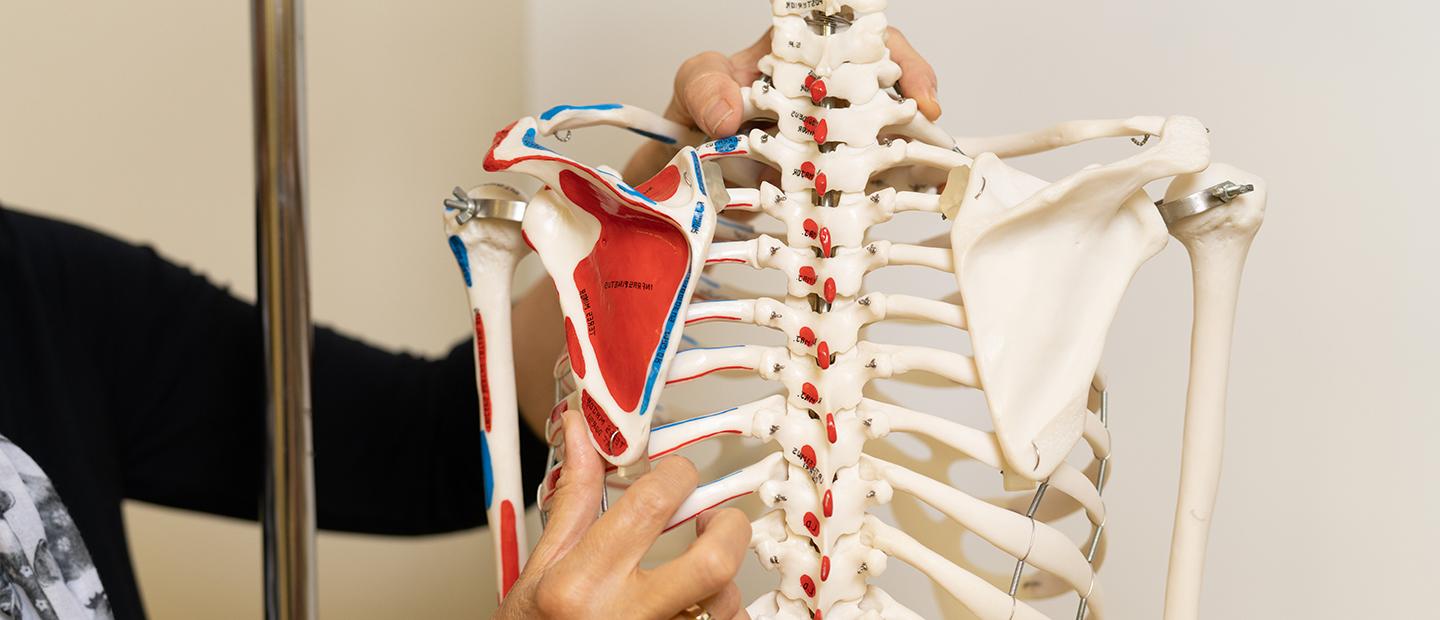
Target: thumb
576	502
707	95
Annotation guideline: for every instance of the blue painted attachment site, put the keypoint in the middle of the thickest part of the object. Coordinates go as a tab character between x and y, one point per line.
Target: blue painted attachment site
457	247
664	342
625	187
555	111
529	140
720	478
726	145
687	339
699	173
699	217
653	136
694	419
488	469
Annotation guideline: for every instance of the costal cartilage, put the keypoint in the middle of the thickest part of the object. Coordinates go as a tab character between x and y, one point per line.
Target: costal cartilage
487	250
1218	242
623	260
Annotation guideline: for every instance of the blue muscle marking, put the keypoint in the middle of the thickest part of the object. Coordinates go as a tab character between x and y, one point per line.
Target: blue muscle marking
699	174
624	187
457	247
708	281
684	339
488	469
553	112
695	419
728	346
529	140
664	342
725	145
653	136
699	216
720	478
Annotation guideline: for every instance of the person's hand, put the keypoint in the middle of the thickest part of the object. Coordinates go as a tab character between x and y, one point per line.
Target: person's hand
707	93
584	567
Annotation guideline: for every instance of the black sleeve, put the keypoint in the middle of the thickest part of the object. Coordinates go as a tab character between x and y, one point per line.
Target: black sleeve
396	437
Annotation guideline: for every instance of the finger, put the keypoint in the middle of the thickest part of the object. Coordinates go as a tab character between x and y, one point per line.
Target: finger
917	77
623	535
707	567
707	95
723	604
576	502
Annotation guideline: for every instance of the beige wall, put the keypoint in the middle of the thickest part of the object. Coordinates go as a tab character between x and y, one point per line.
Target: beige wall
136	120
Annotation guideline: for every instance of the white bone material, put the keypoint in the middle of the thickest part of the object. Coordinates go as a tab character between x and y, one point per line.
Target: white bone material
1041	267
1218	242
487	250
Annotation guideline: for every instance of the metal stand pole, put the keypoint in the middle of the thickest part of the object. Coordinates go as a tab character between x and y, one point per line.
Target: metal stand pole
289	519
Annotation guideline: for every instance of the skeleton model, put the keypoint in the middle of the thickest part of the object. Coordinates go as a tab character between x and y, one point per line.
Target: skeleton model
1041	268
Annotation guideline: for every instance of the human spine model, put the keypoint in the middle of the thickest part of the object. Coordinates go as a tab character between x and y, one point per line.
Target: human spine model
1040	266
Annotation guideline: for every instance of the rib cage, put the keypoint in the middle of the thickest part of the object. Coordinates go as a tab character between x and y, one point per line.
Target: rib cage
845	142
852	153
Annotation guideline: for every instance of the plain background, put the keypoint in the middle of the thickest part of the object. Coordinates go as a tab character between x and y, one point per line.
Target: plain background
135	119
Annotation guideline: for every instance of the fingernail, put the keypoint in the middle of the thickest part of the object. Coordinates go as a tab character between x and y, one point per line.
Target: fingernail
714	116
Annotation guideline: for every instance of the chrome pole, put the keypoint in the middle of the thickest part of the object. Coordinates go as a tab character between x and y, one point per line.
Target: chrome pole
288	514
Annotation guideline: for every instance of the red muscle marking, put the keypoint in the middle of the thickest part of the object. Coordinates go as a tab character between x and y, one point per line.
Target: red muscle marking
661	186
822	131
820	183
830	427
554	479
808	170
694	441
809	393
829	290
509	548
824	567
817	90
572	343
825	242
811	228
812	524
809	79
481	372
626	284
712	318
607	436
808	585
807	275
526	238
716	261
684	379
827	505
807	336
807	456
822	356
702	511
492	164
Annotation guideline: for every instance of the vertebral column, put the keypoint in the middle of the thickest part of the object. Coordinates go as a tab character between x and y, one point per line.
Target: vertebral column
828	83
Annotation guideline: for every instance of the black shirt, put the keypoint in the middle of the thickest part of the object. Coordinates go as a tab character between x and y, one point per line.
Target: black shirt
126	376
